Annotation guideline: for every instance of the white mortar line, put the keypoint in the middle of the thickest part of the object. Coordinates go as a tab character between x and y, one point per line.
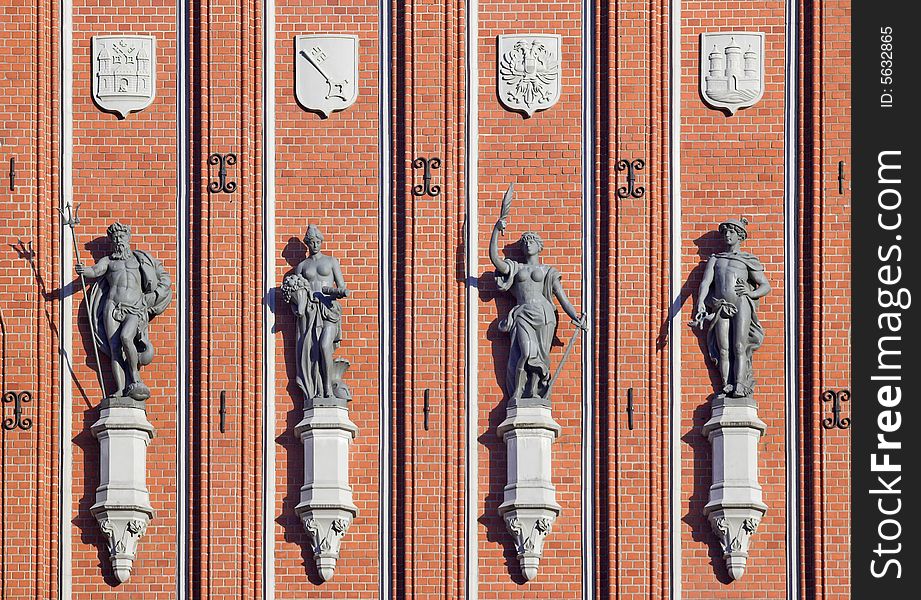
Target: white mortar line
472	349
385	268
791	285
268	303
182	302
675	326
588	300
65	519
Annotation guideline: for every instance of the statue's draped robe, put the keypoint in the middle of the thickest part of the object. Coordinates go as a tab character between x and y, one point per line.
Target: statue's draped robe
317	309
535	322
718	311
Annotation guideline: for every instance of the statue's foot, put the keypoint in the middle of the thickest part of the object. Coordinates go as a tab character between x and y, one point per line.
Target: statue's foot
741	391
138	391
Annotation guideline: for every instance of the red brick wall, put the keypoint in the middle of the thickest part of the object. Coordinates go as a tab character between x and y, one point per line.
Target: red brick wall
28	311
428	292
327	174
226	301
825	285
733	167
632	468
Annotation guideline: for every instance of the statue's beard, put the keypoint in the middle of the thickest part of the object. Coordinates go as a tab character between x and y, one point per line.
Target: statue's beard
121	252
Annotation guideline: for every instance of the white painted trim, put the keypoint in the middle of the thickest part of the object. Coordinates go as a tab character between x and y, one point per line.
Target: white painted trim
588	299
183	314
66	398
268	303
472	323
675	324
385	207
791	287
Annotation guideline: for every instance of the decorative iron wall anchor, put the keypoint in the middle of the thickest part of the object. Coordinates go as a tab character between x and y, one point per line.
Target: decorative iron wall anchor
630	408
631	167
426	409
426	186
13	174
836	398
17	420
223	410
840	177
222	185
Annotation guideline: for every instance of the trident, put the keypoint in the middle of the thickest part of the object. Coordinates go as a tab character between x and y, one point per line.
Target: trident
71	219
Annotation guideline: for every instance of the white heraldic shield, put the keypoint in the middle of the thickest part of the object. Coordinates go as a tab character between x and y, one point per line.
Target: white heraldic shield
528	73
326	72
124	72
731	69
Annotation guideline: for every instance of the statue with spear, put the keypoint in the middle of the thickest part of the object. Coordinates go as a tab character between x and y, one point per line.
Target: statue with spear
532	322
132	288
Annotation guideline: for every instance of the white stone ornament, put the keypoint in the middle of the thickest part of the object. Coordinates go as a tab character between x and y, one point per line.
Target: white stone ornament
731	69
528	74
124	72
122	506
736	506
326	508
326	72
529	505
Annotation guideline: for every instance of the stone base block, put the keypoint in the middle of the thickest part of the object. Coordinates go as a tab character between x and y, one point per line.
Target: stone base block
326	508
529	505
122	506
735	505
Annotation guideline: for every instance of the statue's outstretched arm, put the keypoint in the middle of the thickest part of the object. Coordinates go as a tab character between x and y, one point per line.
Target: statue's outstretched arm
97	270
567	306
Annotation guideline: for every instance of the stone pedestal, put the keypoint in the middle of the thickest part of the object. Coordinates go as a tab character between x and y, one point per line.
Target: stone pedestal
735	507
122	505
529	505
326	507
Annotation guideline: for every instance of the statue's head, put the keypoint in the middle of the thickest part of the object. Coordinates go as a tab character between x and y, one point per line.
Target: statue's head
313	239
740	226
531	242
119	236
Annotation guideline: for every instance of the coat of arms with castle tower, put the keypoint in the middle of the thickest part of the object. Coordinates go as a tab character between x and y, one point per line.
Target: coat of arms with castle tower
123	72
732	69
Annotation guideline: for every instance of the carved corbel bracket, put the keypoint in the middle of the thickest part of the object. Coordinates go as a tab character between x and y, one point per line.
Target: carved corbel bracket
123	529
735	528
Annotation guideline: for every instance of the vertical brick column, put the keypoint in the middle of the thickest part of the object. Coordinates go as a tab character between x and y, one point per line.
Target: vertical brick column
125	170
225	300
825	285
327	174
428	295
732	166
632	302
542	155
29	312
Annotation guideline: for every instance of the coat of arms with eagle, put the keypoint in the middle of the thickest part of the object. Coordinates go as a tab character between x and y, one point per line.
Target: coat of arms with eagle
529	72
